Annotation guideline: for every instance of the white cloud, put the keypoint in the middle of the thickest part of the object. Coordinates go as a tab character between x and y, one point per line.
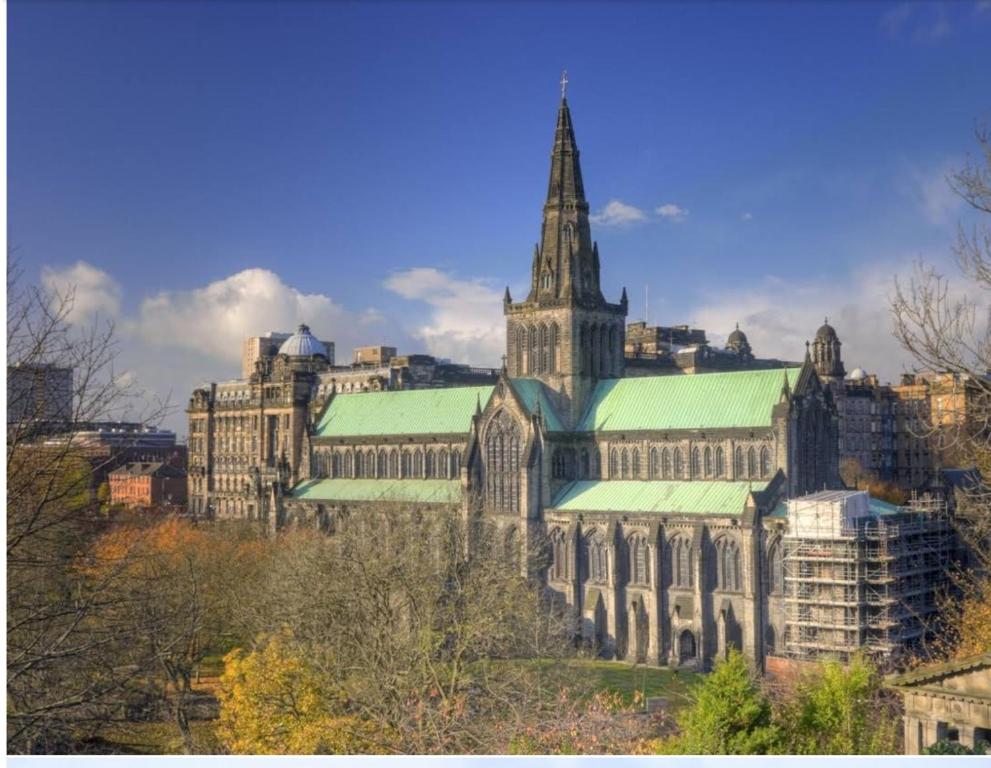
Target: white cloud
918	22
937	199
779	316
747	216
92	291
617	214
216	318
465	323
672	212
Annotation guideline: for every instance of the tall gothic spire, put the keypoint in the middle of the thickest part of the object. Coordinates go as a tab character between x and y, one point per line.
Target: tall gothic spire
565	265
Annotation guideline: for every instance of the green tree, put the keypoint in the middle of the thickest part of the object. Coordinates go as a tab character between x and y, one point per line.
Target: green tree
840	710
731	715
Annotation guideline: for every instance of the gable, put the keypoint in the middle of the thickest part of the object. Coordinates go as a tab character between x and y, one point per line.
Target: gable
404	412
533	393
738	399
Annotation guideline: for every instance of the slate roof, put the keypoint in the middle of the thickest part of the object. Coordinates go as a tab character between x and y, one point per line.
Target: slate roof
677	497
403	412
409	491
696	401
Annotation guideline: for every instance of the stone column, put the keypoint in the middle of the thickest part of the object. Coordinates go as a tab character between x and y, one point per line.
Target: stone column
912	731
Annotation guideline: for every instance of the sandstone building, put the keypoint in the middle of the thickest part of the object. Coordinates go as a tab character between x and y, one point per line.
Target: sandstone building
646	470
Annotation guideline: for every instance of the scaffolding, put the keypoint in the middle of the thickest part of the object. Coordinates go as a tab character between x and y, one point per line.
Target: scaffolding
860	575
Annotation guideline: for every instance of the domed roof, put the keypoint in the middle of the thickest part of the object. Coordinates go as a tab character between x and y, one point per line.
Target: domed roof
858	374
736	337
826	332
302	344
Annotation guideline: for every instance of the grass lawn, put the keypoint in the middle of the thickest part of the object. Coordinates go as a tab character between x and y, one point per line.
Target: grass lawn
627	680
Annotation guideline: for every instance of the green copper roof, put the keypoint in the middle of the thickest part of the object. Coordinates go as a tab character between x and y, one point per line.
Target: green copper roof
676	497
415	491
688	401
406	412
533	391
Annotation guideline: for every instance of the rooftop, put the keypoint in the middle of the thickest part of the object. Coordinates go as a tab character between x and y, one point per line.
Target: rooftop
408	491
675	497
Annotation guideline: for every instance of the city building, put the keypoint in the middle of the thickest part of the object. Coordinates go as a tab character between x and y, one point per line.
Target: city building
948	702
38	396
250	436
147	484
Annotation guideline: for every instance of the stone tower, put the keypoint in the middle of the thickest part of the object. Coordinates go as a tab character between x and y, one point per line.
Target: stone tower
826	354
565	333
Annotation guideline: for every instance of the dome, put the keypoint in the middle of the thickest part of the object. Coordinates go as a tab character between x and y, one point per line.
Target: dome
858	374
736	338
303	344
826	332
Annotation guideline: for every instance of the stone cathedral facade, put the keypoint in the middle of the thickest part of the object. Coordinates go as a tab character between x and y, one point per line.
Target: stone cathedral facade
656	497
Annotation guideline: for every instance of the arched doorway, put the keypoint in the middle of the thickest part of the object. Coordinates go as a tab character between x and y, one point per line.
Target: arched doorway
686	647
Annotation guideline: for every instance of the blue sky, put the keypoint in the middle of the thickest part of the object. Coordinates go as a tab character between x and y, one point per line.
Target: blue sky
202	171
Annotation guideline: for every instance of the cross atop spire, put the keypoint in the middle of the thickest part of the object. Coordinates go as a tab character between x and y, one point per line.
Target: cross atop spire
564	83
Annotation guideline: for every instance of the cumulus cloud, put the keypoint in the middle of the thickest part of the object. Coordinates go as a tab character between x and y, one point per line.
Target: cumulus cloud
672	212
618	214
217	317
779	315
465	320
92	291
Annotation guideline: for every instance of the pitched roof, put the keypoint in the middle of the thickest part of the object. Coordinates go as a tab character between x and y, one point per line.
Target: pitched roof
533	391
405	412
409	491
931	672
677	497
690	401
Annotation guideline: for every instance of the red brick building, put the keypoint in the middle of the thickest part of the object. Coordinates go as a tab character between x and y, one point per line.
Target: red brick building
147	484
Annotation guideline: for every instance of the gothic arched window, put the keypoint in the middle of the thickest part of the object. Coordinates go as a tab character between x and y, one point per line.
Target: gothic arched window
545	363
775	571
751	462
696	463
554	344
394	463
639	559
597	465
521	349
382	470
407	464
666	464
359	464
455	464
585	468
431	464
335	465
727	565
503	443
443	464
597	557
418	463
765	461
559	554
348	465
653	464
625	464
720	463
707	461
636	463
737	463
613	464
679	464
682	562
534	346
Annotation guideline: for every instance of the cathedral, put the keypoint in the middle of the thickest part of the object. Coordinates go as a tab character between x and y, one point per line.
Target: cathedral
657	497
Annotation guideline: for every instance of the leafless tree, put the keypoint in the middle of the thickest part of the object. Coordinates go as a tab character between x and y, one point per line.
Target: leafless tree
63	671
422	627
948	330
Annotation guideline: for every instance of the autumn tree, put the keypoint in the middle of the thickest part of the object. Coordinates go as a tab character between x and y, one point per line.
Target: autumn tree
418	625
62	671
946	328
276	700
181	588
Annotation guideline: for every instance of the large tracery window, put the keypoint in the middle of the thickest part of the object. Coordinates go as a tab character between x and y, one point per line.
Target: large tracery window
596	557
738	463
503	444
639	559
696	464
751	462
679	465
765	462
559	553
